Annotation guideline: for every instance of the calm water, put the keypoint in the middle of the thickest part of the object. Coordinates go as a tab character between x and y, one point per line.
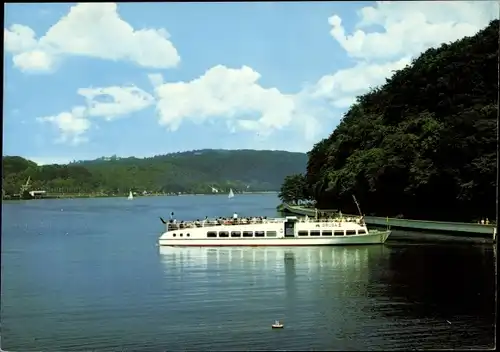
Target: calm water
87	275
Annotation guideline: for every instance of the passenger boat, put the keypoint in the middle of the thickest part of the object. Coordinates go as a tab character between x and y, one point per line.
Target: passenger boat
288	231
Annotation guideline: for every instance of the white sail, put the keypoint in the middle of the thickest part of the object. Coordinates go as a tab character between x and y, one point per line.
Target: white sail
130	195
231	194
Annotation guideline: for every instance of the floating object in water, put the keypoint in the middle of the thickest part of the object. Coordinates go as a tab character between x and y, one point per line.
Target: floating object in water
277	325
449	322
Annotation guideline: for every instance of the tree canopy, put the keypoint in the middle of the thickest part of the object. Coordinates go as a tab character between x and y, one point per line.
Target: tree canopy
187	172
423	145
294	189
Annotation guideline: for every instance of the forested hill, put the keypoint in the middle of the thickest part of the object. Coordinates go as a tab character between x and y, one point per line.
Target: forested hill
192	172
421	146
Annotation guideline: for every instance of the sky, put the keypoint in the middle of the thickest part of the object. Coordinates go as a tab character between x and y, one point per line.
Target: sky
85	80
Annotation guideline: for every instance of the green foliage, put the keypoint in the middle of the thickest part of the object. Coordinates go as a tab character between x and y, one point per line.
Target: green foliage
189	172
294	189
423	145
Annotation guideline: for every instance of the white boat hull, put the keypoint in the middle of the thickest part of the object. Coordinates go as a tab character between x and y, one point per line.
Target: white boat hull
272	232
376	238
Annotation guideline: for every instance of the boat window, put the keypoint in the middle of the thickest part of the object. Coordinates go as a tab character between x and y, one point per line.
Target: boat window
259	233
314	233
180	235
235	234
247	233
187	234
326	233
350	232
271	234
173	235
223	234
362	231
211	234
338	233
303	233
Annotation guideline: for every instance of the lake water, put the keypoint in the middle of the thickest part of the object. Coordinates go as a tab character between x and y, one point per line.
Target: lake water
86	274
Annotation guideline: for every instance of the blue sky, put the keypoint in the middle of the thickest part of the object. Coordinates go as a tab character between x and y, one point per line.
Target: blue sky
90	80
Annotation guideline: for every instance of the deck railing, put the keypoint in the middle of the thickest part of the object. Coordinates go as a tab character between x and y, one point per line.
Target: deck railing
225	222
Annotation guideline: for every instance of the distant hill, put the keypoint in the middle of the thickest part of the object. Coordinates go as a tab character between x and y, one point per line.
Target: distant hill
188	172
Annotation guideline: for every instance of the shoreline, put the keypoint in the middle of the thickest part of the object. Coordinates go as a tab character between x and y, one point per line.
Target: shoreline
87	195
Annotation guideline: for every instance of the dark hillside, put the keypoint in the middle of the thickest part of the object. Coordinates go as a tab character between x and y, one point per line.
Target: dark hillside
423	145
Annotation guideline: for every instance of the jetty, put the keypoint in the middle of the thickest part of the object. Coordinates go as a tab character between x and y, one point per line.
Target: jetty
459	229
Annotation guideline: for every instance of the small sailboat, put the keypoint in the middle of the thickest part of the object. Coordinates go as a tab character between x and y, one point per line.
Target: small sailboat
231	194
130	195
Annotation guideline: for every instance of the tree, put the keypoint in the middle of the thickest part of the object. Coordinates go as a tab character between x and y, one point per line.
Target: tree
294	189
423	145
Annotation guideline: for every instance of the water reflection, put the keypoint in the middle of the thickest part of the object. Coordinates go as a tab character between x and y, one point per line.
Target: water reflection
291	268
442	280
312	259
359	298
290	275
320	289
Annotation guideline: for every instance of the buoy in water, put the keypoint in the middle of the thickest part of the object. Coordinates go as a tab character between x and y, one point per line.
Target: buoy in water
277	325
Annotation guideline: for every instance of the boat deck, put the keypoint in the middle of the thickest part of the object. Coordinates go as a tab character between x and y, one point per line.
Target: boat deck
171	225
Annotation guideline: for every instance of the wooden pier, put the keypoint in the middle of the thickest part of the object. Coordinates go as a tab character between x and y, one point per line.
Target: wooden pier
452	228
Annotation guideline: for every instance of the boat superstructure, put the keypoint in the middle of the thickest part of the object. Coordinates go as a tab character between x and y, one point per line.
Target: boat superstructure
289	231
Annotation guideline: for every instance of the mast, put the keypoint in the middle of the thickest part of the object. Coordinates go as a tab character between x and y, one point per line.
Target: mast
357	205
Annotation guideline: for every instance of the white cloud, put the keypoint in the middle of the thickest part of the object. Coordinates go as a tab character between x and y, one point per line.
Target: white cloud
408	29
19	38
35	61
92	30
343	86
411	27
120	101
235	96
225	93
72	125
